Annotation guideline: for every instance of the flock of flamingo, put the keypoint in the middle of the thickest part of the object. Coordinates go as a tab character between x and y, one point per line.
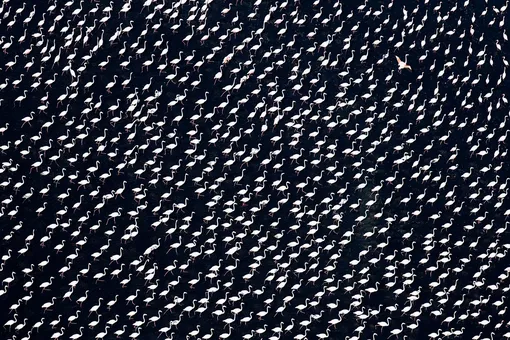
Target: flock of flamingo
199	169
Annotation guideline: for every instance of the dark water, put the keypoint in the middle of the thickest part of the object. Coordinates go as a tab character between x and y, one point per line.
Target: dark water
278	226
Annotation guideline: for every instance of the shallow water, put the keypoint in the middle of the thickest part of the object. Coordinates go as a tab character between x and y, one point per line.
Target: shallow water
280	235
